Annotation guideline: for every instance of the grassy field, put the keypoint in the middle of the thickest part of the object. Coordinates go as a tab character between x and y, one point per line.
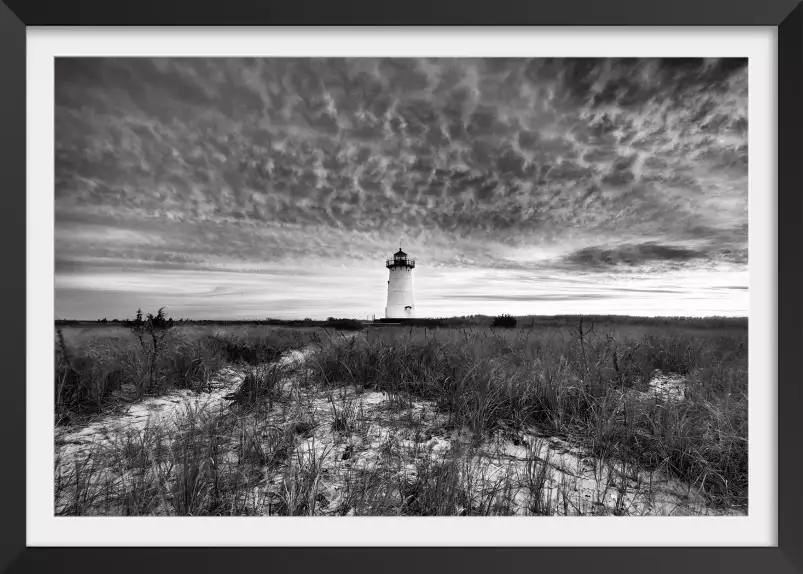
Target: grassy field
95	361
400	419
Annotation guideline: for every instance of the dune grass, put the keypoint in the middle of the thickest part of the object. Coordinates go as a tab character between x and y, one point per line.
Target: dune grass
92	364
587	382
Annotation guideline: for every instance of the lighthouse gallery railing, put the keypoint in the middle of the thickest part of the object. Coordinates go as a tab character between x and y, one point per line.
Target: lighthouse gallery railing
400	263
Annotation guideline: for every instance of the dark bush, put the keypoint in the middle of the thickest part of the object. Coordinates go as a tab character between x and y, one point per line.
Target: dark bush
344	324
504	321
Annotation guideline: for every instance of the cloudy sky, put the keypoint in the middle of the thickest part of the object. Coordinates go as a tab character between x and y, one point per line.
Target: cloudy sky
250	188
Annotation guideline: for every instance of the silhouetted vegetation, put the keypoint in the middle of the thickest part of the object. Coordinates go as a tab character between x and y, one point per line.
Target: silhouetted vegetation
344	324
504	322
468	321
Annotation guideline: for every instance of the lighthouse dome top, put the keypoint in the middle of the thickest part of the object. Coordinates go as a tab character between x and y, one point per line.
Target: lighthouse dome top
399	254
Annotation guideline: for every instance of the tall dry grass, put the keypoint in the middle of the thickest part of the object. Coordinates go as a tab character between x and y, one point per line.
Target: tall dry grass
588	382
91	365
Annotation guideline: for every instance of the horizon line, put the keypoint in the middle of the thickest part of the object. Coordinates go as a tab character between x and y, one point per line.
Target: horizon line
434	317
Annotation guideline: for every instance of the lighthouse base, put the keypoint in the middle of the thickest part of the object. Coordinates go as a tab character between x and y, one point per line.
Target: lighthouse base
400	312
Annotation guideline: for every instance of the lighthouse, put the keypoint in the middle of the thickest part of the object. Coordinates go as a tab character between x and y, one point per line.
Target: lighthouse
401	303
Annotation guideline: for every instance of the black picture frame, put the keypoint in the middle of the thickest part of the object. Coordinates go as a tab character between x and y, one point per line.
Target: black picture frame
786	15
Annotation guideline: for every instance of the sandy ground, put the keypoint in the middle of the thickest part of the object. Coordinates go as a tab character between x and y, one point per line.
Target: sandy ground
162	410
364	442
72	443
667	387
393	441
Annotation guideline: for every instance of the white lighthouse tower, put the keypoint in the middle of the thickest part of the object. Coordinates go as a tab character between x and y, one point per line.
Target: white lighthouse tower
401	303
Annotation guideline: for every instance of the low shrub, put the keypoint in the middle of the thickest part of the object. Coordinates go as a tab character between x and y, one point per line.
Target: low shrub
504	322
344	324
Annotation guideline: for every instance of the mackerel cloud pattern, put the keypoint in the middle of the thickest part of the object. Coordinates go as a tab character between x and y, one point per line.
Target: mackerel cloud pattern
555	172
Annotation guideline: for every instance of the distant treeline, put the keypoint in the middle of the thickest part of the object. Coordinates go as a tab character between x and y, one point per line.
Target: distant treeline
331	322
522	321
526	321
195	322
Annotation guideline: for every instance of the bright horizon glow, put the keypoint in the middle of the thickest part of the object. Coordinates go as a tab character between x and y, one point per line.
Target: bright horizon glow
439	293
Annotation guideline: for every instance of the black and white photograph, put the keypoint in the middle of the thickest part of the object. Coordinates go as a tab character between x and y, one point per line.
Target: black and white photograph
362	286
